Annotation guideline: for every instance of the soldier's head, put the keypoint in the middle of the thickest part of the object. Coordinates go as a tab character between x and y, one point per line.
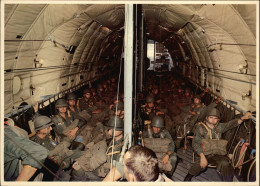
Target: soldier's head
157	124
180	90
105	84
113	80
93	91
118	108
197	99
61	105
116	99
155	89
115	126
71	99
187	91
150	101
87	93
140	164
100	88
213	116
42	126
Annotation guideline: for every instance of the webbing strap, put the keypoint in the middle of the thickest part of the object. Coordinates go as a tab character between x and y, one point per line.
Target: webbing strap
209	131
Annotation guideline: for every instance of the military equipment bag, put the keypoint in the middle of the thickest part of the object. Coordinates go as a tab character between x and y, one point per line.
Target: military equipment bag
94	157
213	146
157	144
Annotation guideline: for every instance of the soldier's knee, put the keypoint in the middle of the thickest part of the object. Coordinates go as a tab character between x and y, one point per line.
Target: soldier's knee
173	159
224	163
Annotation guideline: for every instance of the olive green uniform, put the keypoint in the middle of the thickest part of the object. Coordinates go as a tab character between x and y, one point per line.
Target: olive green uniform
46	142
13	153
221	161
163	133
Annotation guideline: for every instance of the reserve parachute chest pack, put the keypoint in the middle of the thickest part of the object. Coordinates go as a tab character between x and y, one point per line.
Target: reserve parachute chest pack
213	146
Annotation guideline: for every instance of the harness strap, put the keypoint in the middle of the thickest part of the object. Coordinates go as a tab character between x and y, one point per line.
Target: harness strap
209	131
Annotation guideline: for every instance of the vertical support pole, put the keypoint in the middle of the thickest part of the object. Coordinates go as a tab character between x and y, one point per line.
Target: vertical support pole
128	70
141	50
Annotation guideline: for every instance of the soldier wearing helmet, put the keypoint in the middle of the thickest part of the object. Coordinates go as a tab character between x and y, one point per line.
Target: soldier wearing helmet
42	127
72	103
86	102
210	148
82	169
64	119
159	132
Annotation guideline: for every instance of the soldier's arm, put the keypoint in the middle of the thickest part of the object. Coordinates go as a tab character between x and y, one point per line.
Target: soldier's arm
26	173
171	147
196	141
113	175
58	129
235	122
30	148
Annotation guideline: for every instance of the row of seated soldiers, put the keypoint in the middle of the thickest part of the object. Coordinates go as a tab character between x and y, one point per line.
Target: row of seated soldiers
82	145
176	114
177	104
170	114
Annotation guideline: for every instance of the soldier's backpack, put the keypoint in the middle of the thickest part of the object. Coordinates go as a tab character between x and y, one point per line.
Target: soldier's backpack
94	157
213	146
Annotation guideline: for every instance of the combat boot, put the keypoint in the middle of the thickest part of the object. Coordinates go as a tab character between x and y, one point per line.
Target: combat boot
188	177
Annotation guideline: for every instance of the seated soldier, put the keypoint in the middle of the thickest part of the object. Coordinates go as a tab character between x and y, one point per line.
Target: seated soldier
97	158
72	100
165	147
140	164
149	110
59	152
64	119
210	148
156	95
18	148
87	102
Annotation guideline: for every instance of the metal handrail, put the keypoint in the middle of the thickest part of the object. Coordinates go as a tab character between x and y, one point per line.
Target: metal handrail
47	98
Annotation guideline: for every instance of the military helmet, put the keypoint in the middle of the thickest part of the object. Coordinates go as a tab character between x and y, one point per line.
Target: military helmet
42	122
61	103
115	98
99	86
119	123
157	121
149	99
197	97
187	90
120	106
155	87
71	96
86	91
213	112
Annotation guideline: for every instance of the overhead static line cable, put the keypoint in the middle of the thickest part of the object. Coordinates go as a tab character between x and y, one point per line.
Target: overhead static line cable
225	77
42	68
59	66
225	70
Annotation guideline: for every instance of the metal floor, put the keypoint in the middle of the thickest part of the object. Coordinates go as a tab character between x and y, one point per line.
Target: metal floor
210	174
